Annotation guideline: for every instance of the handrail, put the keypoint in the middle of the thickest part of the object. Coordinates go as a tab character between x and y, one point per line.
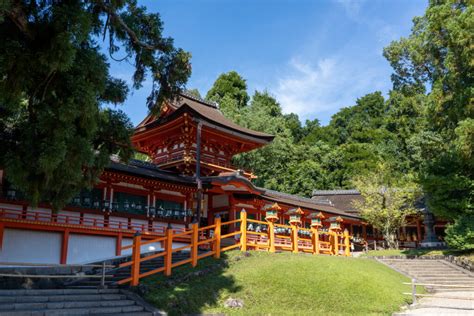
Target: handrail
248	240
207	227
231	222
256	221
414	295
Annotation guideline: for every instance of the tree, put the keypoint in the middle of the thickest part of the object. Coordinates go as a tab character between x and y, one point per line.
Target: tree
56	134
233	86
387	201
435	62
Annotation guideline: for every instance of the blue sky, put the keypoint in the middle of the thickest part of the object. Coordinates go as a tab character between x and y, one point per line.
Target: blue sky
313	56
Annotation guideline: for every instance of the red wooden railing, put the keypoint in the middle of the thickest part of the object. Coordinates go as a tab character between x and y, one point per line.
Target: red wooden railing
248	240
39	217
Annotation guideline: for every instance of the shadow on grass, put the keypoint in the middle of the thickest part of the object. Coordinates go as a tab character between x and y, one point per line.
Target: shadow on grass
188	290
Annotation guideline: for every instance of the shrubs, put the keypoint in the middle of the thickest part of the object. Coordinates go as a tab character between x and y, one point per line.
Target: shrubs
460	235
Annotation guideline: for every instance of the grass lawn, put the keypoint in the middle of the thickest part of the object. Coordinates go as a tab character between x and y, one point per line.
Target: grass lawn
280	284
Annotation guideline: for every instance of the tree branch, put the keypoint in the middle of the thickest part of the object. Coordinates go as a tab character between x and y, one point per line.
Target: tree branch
18	17
133	36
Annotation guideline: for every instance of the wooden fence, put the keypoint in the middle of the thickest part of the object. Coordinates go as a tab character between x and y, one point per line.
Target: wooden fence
210	237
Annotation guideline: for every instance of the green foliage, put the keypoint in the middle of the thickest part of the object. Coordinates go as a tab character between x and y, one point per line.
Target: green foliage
460	235
387	200
56	133
435	64
232	86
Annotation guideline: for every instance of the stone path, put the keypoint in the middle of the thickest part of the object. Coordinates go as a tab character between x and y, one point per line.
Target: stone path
446	300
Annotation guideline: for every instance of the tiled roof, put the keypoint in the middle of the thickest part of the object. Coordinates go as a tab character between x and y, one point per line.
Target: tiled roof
148	170
335	192
207	111
200	100
306	203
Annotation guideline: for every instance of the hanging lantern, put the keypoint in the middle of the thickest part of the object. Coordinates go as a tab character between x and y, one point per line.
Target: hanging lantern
77	200
271	212
152	212
316	220
160	212
115	206
96	204
295	216
126	205
335	223
11	194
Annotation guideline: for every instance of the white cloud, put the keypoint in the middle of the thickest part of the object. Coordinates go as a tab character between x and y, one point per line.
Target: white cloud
323	87
352	7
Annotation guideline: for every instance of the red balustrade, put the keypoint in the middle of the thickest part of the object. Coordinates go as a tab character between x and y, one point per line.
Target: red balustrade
81	221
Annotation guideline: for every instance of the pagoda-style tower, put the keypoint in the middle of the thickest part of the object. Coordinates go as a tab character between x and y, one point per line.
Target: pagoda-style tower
172	138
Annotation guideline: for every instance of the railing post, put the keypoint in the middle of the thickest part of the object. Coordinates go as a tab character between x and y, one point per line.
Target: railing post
347	243
336	243
102	279
136	248
315	241
413	290
169	250
243	230
294	238
217	237
194	243
271	237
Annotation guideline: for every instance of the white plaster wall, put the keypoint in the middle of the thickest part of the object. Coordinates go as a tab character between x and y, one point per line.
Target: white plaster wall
116	221
75	219
11	207
137	223
220	200
87	248
145	248
30	246
45	215
90	222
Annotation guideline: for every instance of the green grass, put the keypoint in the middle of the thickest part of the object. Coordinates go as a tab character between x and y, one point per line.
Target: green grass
281	284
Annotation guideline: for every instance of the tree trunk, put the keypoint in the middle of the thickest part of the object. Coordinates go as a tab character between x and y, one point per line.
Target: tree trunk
391	239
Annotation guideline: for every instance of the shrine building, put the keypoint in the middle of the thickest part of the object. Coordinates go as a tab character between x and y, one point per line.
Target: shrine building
189	176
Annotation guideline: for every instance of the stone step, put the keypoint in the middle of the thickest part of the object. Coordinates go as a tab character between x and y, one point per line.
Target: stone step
60	298
439	275
57	292
446	279
65	305
76	311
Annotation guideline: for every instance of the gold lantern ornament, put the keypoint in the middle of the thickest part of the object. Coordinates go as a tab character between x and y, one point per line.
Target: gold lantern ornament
295	216
335	223
316	220
271	212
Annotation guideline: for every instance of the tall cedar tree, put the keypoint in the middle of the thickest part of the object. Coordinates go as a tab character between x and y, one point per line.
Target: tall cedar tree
436	61
56	135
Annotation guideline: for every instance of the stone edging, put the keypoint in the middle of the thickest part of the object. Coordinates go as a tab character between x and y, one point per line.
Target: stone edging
459	261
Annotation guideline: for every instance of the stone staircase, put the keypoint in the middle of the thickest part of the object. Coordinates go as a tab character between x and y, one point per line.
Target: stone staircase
72	302
432	271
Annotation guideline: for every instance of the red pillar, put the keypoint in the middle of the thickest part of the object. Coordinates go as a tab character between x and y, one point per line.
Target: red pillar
2	229
64	246
118	245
